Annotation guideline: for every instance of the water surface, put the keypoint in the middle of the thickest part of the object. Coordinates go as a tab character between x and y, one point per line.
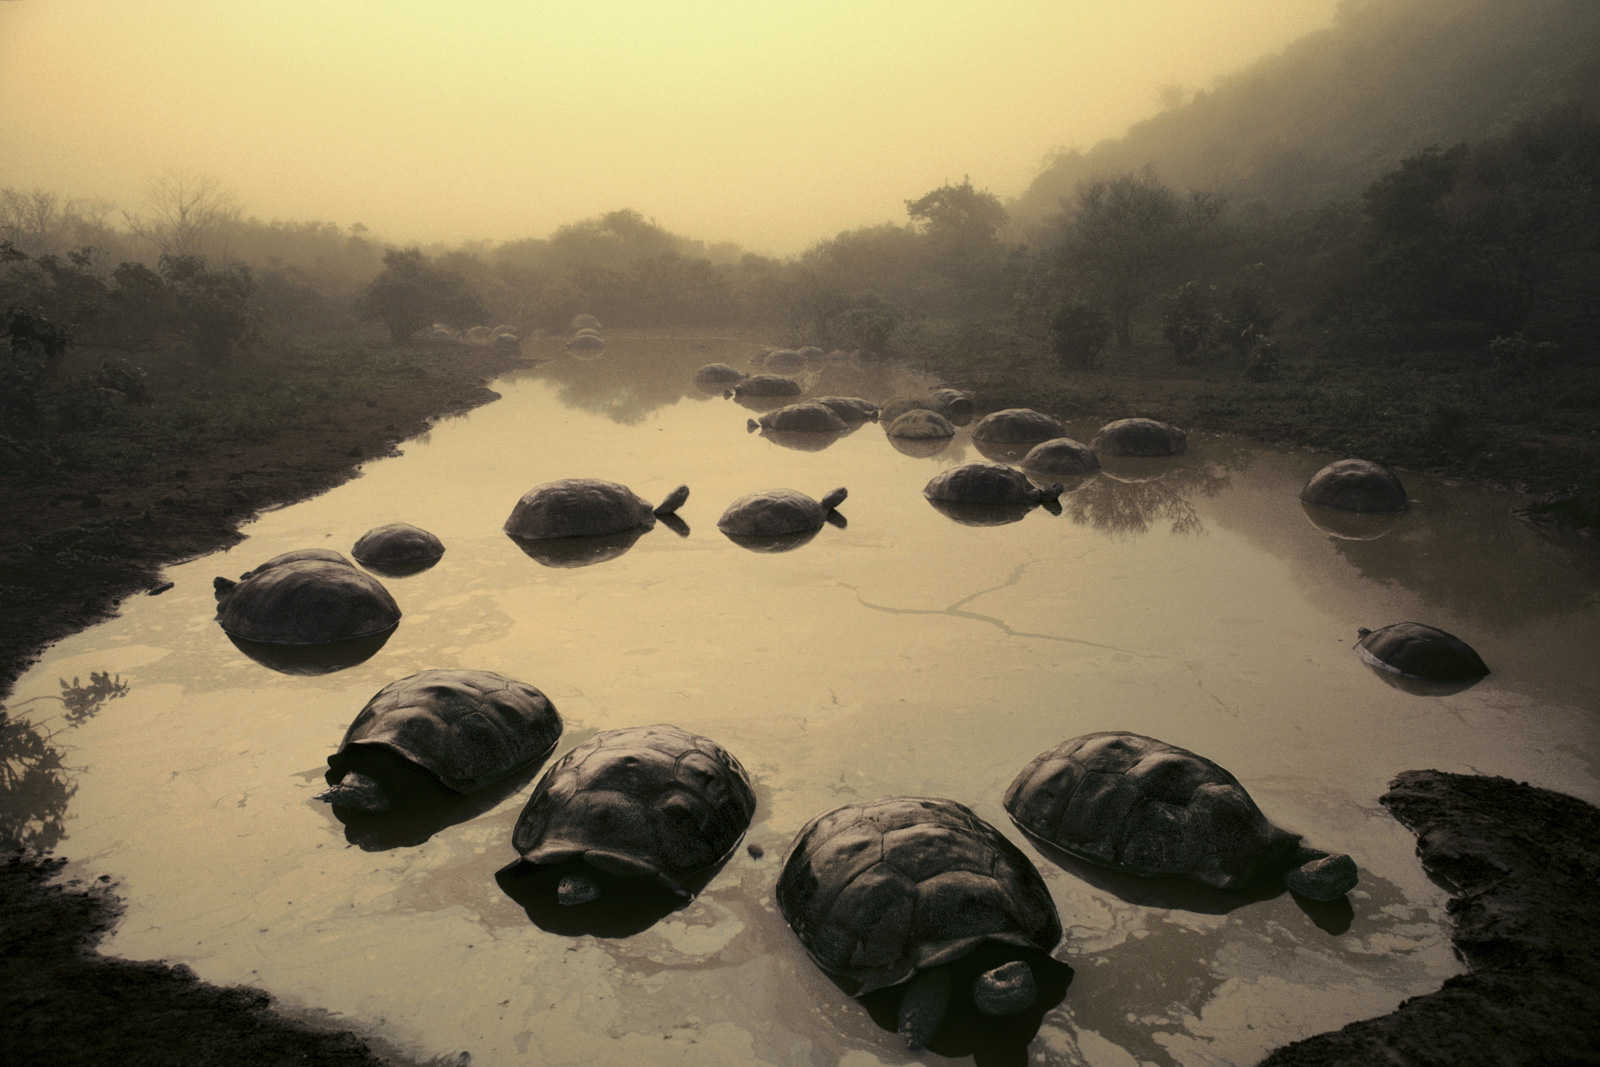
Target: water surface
904	653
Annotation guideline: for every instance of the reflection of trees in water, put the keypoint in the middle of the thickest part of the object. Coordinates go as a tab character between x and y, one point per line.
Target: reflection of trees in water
1132	507
637	377
1462	555
35	785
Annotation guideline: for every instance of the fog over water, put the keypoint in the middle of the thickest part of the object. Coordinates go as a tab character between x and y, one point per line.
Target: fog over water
771	126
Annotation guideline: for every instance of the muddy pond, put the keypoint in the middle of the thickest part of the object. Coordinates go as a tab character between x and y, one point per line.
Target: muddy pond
900	653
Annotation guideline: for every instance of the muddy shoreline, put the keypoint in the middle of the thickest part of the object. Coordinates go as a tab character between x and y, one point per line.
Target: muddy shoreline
71	553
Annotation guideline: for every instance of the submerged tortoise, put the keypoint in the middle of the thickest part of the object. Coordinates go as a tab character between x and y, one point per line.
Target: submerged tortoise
311	596
1061	456
465	729
987	483
958	403
585	507
397	544
1356	485
920	424
765	385
850	408
718	374
1140	437
776	512
1016	426
1144	806
902	890
805	417
898	405
647	802
1418	651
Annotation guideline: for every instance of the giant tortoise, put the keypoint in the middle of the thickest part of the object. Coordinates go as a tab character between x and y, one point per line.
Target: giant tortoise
310	596
1421	652
808	416
777	513
1356	485
397	546
585	507
462	729
1144	806
1016	426
646	802
1140	437
912	892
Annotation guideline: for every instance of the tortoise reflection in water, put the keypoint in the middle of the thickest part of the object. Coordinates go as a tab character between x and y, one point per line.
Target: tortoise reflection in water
655	804
1141	805
460	729
922	894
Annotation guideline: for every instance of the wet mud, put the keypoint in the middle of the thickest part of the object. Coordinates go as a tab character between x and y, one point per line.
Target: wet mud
1522	865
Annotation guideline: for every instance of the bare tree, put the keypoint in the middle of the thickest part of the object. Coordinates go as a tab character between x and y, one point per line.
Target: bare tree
42	224
190	215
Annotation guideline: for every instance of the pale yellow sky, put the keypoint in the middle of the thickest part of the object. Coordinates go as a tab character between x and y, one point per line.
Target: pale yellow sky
770	123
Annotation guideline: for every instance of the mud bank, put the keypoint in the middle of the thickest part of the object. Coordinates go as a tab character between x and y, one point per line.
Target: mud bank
1522	865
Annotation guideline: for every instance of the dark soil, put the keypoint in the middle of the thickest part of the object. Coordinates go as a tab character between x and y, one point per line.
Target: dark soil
1523	868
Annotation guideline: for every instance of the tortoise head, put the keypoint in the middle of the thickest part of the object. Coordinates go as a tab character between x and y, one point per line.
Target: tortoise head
1051	494
834	499
751	426
358	793
674	500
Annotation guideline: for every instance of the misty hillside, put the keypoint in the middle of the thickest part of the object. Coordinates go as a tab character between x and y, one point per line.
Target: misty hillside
1338	108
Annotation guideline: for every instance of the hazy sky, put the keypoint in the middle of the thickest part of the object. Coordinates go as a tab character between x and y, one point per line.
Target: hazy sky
770	123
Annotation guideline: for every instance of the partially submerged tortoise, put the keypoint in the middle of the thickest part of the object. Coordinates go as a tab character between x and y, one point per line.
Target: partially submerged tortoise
920	424
1142	805
718	374
903	890
586	342
1061	456
585	507
397	544
1419	651
987	483
765	385
805	417
1356	485
311	596
1140	437
647	802
463	729
899	404
777	512
850	408
956	402
1016	426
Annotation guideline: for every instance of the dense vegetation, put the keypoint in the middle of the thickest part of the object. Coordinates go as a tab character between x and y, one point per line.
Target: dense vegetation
1415	299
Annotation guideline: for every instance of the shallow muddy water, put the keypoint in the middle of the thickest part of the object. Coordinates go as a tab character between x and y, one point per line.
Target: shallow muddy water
905	653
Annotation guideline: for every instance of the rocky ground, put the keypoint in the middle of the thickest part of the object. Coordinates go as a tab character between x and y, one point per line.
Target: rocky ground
1521	862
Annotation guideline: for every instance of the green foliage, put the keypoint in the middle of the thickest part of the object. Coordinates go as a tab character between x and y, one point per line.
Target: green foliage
411	292
1079	332
1190	323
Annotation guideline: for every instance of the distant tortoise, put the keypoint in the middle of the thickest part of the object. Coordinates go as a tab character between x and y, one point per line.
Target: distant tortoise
920	424
312	596
849	408
812	354
783	359
1016	426
987	483
1140	437
718	374
805	417
585	507
586	342
777	512
1061	456
397	544
899	404
464	729
646	802
957	403
1356	485
1422	652
765	385
1147	807
911	892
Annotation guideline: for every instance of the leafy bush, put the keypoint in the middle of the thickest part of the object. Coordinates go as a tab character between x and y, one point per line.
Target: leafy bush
1079	332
